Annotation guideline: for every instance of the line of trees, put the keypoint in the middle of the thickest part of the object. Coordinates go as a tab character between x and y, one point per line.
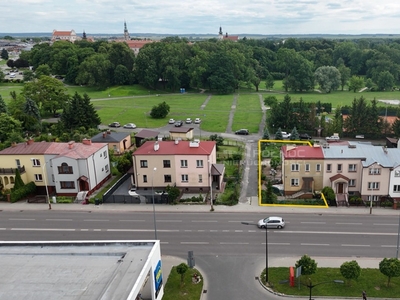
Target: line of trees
222	66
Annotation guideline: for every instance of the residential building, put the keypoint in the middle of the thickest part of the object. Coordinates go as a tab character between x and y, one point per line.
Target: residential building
69	36
144	134
183	133
302	170
119	142
185	164
58	168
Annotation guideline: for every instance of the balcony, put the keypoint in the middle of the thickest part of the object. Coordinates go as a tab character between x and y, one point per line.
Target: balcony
11	171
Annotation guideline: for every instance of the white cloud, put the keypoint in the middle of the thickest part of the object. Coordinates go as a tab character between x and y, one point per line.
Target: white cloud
194	16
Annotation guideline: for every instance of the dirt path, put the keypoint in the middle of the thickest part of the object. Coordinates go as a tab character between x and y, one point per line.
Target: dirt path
231	114
205	102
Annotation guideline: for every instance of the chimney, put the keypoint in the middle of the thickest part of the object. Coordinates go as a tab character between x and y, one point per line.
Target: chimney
13	144
87	142
71	144
156	146
30	141
104	135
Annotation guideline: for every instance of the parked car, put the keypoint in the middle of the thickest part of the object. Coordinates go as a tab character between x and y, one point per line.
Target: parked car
114	124
242	131
171	121
304	136
333	138
178	123
286	135
197	121
130	126
188	121
132	191
271	222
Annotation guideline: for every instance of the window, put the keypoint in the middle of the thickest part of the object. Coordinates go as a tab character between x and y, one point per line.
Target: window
185	178
12	181
294	182
396	173
352	168
199	163
184	163
200	178
373	185
167	163
18	163
295	167
374	171
115	148
38	177
67	184
107	169
352	182
105	154
144	178
396	188
35	162
167	178
307	168
143	164
328	168
65	169
339	167
318	167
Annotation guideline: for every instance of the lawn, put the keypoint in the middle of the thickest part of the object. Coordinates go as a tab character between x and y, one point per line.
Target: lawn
216	113
174	290
248	113
6	88
370	280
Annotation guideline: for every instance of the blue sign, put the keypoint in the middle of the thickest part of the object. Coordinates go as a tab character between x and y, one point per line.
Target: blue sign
158	278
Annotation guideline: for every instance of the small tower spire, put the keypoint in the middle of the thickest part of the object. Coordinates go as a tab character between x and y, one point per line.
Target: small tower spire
126	33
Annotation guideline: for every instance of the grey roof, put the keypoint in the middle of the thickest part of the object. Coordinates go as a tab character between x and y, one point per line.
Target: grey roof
181	129
109	137
368	153
72	270
145	133
217	169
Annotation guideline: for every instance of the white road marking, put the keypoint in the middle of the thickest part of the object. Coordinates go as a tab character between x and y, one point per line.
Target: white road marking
310	244
42	229
348	223
337	232
278	243
195	243
21	219
94	220
233	243
204	221
388	246
170	221
131	220
58	219
349	245
313	222
382	224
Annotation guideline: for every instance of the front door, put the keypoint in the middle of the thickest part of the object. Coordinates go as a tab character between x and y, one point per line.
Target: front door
340	188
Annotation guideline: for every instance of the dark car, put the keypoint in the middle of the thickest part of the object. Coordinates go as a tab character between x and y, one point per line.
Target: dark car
304	136
114	124
178	123
242	131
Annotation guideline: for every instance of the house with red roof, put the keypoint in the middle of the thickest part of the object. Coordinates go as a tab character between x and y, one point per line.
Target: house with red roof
70	36
57	168
189	165
302	170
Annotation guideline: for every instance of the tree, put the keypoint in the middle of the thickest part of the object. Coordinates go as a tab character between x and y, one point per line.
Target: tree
219	140
275	162
43	69
181	269
385	81
28	75
3	106
329	194
328	78
160	111
121	75
18	182
4	54
294	136
278	134
345	74
390	267
95	71
8	125
269	82
308	265
350	270
31	117
173	193
269	195
356	83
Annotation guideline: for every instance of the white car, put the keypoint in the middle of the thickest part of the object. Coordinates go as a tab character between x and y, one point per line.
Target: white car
188	121
197	121
130	126
271	222
171	121
132	191
286	135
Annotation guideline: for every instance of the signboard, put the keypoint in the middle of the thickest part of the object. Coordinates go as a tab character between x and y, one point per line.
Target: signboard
158	278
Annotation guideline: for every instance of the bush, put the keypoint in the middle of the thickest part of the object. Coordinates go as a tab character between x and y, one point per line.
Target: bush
23	192
64	199
193	199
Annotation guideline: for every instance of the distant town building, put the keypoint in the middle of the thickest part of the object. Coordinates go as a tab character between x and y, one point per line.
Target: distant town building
134	45
126	33
221	36
64	36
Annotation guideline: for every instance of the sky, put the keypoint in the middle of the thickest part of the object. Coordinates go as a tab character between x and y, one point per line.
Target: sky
236	17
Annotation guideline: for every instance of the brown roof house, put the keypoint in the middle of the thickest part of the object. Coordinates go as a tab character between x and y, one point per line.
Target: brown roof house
183	133
117	141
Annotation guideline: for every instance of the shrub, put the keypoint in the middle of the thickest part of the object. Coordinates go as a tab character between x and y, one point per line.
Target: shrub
350	270
308	265
22	192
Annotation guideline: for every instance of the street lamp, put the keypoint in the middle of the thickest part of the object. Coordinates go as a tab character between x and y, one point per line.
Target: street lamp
45	183
311	286
154	207
266	250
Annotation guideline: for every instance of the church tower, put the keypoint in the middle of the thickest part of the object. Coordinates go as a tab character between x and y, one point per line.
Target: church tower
126	33
220	34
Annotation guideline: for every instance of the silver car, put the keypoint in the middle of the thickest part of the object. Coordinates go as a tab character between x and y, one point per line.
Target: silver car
271	222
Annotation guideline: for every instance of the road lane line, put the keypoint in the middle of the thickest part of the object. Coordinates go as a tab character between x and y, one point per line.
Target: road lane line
194	243
142	230
131	220
42	229
338	232
94	220
383	224
283	244
348	223
313	222
204	221
310	244
350	245
169	221
233	243
58	219
14	219
388	246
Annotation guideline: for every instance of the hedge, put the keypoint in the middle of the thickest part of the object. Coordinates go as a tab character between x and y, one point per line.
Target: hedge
23	191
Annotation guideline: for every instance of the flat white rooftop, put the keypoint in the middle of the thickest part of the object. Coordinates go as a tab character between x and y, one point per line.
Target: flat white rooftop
71	270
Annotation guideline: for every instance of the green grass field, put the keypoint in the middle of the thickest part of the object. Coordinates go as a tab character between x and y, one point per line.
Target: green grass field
248	113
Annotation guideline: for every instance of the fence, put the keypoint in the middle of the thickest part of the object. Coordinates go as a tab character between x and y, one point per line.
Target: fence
141	199
110	192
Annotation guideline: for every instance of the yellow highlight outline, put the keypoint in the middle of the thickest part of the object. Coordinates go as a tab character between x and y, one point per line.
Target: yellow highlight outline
260	170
